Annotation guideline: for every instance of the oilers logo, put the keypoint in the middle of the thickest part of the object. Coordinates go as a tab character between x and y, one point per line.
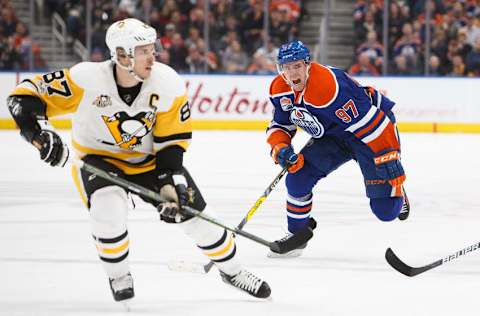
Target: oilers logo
306	121
128	131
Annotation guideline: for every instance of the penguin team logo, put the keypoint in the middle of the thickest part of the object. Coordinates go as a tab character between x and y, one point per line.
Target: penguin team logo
128	131
306	121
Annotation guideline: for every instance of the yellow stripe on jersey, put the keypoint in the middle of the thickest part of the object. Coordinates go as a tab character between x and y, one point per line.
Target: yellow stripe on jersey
78	184
56	89
82	151
127	167
175	126
131	169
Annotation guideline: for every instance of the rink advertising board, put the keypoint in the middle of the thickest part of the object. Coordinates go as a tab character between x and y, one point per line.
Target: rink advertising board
241	102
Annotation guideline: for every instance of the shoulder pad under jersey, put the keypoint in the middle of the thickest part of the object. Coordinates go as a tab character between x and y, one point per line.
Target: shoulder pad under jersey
322	86
92	75
166	80
279	87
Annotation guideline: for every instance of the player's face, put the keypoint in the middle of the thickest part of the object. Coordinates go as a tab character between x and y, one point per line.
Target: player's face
144	58
296	73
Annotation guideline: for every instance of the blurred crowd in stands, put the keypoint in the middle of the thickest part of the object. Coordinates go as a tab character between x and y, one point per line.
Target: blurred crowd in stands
454	38
236	30
237	42
16	43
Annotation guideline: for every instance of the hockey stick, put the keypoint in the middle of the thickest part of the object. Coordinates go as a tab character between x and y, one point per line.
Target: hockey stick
276	246
207	267
396	263
190	267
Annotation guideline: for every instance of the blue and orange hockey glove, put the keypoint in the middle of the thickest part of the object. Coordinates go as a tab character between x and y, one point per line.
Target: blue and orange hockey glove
390	168
284	155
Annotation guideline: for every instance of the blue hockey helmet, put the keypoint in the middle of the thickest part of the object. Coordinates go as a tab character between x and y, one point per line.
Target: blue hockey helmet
293	51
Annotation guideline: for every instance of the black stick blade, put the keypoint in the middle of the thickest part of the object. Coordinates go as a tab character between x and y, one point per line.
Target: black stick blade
405	269
397	264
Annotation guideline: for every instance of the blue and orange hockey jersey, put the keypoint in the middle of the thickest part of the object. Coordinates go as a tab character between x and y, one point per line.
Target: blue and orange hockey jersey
332	103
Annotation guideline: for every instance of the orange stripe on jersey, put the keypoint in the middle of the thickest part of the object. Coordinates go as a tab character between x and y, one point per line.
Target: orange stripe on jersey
370	126
279	86
278	137
300	209
322	86
386	140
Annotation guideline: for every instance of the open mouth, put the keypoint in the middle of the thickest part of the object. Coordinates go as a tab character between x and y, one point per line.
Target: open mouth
297	81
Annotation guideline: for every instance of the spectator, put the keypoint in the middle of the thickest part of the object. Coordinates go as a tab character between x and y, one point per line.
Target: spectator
458	67
373	49
194	37
195	60
8	21
234	59
211	58
403	67
164	57
279	28
473	60
473	29
408	45
396	21
363	67
166	40
142	12
435	67
252	24
439	44
260	65
9	56
291	7
270	53
178	53
368	25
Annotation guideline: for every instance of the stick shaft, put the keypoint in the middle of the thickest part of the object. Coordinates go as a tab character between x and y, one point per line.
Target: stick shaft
138	189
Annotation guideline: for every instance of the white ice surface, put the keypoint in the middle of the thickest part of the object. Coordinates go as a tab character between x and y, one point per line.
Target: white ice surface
49	266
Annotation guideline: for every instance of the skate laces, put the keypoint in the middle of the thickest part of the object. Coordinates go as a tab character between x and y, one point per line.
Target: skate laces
122	283
247	281
287	236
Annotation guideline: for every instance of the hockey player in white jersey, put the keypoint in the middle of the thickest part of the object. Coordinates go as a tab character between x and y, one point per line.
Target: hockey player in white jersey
131	117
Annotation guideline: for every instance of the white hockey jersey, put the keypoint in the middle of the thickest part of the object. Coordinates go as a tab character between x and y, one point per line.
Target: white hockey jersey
127	136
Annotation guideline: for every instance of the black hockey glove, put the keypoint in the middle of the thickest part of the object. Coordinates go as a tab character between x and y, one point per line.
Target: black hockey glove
52	150
176	197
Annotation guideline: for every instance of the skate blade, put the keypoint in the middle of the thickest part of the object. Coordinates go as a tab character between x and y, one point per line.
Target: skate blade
246	293
291	254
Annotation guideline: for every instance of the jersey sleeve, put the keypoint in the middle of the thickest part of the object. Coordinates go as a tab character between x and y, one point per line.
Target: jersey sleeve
173	127
60	94
281	129
367	115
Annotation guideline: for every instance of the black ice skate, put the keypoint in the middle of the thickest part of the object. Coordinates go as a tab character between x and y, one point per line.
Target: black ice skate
247	282
122	287
297	252
405	210
291	254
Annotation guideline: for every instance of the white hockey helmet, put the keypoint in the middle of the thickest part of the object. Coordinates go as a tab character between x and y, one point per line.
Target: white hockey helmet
128	34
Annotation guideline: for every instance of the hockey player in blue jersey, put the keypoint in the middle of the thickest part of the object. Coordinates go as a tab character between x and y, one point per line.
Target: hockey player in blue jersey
346	121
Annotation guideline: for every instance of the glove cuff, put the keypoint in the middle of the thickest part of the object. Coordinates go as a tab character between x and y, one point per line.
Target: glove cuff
276	149
179	179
